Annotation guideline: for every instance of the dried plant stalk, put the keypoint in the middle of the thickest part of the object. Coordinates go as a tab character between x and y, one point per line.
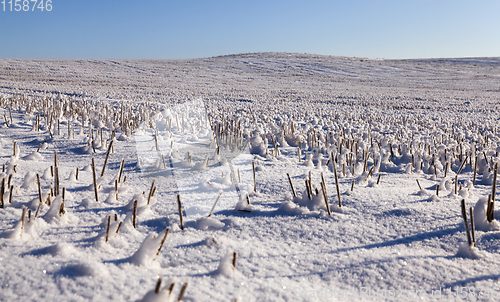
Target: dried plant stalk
162	241
61	209
180	210
134	217
493	193
307	189
456	177
254	179
22	220
95	180
337	182
326	198
475	171
39	188
106	160
419	185
57	180
216	201
107	230
10	193
183	292
291	185
171	288
119	226
464	216
158	285
489	209
2	192
121	171
310	183
472	226
150	191
235	255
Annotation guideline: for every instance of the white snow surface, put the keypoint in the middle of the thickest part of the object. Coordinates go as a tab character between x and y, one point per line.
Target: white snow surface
390	241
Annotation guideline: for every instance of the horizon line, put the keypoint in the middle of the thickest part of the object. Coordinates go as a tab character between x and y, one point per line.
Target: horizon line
259	53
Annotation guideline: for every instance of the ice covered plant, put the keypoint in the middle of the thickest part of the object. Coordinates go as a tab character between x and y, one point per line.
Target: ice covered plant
227	265
482	215
150	248
158	294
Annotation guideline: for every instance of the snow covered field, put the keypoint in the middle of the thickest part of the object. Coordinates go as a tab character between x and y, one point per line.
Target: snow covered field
195	129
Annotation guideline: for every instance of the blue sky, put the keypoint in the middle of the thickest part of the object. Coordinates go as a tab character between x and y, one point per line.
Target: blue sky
193	29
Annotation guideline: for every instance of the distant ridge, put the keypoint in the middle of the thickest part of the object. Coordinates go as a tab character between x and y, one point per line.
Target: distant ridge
259	76
484	60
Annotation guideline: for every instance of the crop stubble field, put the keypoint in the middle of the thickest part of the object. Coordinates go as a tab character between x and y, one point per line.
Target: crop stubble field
196	128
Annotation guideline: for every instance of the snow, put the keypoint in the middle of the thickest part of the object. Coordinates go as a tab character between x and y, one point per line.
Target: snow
404	120
480	219
206	223
466	251
146	254
226	267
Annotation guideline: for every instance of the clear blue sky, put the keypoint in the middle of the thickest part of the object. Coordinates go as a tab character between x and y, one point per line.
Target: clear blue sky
193	29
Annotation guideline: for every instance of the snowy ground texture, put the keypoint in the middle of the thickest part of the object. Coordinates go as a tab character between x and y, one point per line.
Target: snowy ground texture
197	128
